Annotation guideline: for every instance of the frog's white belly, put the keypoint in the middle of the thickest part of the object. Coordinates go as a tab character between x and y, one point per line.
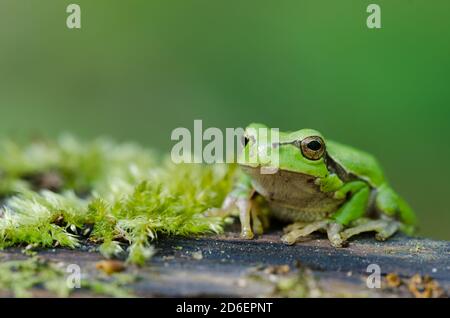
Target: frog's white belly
293	196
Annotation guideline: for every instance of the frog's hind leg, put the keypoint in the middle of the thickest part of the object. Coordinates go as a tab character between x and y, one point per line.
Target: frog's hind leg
301	229
297	231
385	228
227	209
295	226
391	204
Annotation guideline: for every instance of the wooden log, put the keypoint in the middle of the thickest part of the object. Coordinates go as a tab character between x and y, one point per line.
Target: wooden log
228	266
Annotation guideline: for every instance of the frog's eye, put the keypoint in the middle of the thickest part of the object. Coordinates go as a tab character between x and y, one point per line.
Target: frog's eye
313	147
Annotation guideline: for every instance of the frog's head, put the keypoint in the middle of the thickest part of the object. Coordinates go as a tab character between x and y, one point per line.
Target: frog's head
301	151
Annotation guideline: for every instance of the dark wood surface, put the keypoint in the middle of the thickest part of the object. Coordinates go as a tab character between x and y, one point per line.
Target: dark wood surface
228	266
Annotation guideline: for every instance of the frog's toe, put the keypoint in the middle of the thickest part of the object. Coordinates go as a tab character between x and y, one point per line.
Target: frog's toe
334	234
247	234
292	236
387	231
385	228
288	239
258	228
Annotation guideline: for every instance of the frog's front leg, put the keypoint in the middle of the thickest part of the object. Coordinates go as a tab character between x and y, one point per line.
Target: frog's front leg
350	211
385	227
242	199
250	214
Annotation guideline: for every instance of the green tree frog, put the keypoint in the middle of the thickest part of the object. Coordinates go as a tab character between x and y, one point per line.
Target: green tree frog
320	185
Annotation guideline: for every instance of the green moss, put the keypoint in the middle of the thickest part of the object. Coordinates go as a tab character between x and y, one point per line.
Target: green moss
301	284
117	195
20	277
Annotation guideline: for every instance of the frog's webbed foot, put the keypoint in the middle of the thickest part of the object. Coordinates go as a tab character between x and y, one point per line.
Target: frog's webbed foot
333	229
337	234
298	230
384	228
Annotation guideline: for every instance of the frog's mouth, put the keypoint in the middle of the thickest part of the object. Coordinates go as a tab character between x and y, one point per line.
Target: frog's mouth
261	169
289	177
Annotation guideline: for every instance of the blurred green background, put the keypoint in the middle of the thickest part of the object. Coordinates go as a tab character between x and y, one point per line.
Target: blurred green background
138	69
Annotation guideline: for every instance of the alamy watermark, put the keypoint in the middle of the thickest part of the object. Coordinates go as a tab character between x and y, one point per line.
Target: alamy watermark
73	279
73	20
374	19
252	146
374	279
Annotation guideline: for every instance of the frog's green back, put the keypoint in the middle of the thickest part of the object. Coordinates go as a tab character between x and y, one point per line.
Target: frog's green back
356	162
